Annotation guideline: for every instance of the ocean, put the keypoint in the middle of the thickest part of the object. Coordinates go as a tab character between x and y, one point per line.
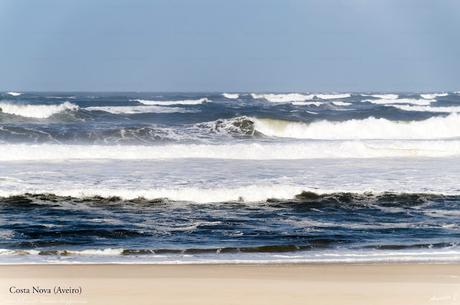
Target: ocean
229	177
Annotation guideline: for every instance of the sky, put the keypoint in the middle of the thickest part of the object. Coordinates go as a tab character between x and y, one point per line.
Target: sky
223	45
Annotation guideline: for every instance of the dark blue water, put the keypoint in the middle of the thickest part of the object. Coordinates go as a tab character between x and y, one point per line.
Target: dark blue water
388	221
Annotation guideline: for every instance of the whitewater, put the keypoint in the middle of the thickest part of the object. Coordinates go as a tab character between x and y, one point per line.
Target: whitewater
229	177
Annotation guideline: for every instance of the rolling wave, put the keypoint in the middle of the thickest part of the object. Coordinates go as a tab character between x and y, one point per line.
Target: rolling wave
252	193
106	136
36	111
433	128
273	194
370	128
239	127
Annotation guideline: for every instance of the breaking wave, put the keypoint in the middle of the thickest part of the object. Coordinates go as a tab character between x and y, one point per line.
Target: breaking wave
370	128
452	109
239	126
307	103
297	97
139	109
430	96
282	98
36	111
232	96
273	194
167	103
383	96
332	96
12	93
390	101
252	193
339	103
144	134
433	128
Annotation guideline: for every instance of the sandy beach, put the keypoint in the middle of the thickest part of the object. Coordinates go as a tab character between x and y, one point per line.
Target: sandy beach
393	284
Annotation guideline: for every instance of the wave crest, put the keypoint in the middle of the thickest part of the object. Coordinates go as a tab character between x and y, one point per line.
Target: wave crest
430	96
239	126
36	111
297	97
439	109
271	194
370	128
231	96
12	93
138	109
167	103
390	101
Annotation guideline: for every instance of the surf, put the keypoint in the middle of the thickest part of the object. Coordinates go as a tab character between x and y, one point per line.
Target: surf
346	149
167	103
441	127
35	110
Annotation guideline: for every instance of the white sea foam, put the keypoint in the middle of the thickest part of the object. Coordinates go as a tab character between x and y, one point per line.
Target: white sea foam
12	93
452	109
249	151
332	96
232	96
86	252
104	252
18	252
297	98
167	103
248	194
283	98
318	103
251	193
6	235
228	180
339	103
388	101
36	111
383	96
431	96
114	256
138	109
307	103
370	128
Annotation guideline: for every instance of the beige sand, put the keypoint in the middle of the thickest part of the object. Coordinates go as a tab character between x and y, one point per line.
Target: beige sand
337	284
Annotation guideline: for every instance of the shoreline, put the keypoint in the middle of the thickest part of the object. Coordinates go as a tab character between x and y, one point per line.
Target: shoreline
242	264
375	283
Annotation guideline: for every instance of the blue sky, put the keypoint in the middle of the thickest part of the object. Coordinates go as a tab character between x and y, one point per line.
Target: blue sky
237	45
